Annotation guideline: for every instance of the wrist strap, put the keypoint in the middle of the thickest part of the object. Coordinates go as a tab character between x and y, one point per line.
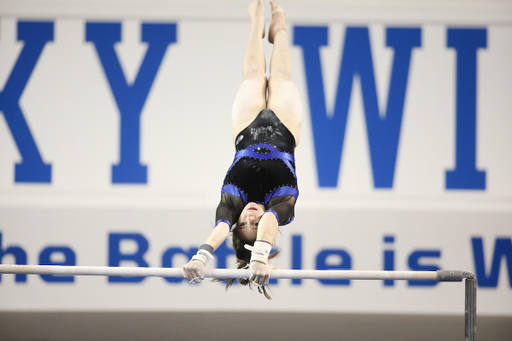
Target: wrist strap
260	251
203	256
207	247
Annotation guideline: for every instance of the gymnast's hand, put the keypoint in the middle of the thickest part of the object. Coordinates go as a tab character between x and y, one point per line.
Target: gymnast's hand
260	273
193	271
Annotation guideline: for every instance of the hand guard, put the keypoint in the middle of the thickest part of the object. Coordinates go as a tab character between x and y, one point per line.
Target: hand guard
203	256
260	251
193	270
260	270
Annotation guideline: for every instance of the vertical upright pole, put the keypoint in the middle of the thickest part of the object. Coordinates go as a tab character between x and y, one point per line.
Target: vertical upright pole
470	309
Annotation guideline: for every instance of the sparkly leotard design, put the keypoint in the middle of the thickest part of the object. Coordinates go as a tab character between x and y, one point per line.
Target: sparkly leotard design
263	170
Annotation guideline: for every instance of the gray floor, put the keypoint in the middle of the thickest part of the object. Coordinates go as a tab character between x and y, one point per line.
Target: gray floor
244	326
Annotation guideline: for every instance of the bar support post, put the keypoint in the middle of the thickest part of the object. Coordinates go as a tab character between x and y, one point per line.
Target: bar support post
470	309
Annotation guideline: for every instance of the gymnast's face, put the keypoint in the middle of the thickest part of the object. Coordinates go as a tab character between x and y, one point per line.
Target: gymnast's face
249	219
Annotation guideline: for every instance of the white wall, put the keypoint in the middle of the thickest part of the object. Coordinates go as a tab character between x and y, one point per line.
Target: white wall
185	142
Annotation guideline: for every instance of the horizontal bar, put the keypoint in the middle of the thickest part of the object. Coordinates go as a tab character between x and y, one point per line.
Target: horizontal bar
232	273
453	275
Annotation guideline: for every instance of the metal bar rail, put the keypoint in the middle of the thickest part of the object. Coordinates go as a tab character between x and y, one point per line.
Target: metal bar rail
440	276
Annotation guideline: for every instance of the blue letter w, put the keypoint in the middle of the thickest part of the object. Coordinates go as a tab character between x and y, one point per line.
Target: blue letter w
130	99
383	131
502	249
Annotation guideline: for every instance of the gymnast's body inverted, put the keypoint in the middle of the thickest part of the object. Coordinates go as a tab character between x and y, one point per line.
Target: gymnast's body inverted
260	188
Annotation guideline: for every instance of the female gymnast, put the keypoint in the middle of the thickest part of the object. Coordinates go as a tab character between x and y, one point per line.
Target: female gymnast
260	188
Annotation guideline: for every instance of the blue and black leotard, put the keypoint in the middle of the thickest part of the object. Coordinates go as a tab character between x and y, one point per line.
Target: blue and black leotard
263	171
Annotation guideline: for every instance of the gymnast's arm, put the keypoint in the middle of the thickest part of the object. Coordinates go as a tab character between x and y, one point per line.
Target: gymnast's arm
227	213
280	212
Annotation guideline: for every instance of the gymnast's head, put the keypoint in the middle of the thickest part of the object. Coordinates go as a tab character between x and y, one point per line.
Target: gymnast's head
247	225
246	229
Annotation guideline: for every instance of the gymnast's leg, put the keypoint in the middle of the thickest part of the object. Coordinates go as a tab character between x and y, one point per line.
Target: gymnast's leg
251	96
283	95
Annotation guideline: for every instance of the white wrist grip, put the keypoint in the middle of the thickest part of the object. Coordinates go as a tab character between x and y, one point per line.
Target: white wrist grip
260	251
203	256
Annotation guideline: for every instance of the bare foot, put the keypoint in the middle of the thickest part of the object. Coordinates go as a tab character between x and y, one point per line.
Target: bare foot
278	23
256	14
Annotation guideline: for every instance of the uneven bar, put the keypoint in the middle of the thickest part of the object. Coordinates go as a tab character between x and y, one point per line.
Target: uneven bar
442	275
